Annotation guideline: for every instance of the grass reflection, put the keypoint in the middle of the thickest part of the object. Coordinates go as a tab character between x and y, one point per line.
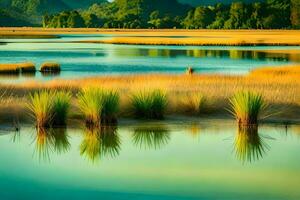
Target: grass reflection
51	140
100	142
249	146
151	137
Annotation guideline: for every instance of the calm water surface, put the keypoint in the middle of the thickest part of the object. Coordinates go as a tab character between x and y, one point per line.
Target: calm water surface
87	59
154	161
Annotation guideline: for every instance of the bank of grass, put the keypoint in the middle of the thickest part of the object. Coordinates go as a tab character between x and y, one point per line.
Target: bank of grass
168	36
280	90
17	68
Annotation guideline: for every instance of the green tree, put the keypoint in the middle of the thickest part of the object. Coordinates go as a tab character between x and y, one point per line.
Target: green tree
238	16
295	13
75	20
92	21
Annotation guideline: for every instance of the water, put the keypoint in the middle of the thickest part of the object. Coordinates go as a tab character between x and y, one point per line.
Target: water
88	59
208	160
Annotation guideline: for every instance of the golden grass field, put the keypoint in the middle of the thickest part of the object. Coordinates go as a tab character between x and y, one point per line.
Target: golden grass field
280	87
169	36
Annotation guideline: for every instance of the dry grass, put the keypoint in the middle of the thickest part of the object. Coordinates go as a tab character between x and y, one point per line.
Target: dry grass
16	68
170	36
204	41
280	90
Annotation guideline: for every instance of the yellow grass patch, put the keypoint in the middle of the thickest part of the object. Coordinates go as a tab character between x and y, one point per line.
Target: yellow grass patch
170	36
280	90
14	68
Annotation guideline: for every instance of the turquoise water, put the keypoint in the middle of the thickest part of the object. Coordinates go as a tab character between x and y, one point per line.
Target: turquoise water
86	59
154	161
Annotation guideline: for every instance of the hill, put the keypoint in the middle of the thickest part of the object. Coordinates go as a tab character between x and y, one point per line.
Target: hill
82	4
212	2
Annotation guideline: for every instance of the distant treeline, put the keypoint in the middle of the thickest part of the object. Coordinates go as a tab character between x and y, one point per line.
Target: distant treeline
270	14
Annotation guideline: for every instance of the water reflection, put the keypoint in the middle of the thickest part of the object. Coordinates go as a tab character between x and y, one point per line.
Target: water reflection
249	145
100	142
47	74
213	53
51	140
151	137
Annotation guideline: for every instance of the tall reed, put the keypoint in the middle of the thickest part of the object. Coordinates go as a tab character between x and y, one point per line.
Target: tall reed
41	107
61	106
149	104
247	107
50	108
98	106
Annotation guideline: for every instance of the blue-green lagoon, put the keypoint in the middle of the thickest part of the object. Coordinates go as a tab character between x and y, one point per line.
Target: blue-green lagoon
80	59
185	160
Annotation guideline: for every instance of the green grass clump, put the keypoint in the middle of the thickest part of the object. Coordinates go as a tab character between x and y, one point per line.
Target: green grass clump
247	107
41	107
149	104
98	106
61	106
49	108
110	107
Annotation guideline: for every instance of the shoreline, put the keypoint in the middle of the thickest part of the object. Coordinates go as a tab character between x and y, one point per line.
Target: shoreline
168	36
280	87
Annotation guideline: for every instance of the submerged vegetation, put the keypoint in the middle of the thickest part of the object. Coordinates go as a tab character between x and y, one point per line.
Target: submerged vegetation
149	104
247	107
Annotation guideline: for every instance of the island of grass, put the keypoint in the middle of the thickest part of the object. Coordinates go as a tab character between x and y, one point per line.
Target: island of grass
17	68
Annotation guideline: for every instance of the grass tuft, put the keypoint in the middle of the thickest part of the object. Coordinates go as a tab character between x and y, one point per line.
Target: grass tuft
149	104
247	107
41	107
98	106
61	107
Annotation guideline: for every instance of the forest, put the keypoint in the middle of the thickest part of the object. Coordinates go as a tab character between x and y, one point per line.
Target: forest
153	14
